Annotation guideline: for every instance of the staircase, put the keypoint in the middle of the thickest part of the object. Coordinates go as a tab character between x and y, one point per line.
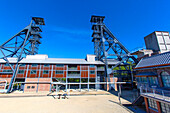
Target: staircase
138	101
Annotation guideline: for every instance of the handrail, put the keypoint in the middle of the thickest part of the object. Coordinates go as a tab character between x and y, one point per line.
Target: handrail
156	93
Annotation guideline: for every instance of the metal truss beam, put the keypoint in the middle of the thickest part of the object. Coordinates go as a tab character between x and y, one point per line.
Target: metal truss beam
23	43
106	45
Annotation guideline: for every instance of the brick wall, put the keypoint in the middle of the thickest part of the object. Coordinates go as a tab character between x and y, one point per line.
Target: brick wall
44	87
30	87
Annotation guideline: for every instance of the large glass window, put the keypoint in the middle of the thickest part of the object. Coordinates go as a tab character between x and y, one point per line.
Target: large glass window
152	104
165	79
165	108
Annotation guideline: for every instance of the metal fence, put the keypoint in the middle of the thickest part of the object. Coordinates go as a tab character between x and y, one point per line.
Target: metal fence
156	93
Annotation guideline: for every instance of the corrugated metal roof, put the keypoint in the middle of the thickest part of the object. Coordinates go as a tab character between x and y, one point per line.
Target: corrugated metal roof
57	61
155	60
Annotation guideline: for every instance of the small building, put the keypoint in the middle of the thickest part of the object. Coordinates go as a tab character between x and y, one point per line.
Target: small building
158	41
153	81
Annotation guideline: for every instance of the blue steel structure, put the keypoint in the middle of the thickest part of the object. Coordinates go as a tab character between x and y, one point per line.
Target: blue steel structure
24	43
106	45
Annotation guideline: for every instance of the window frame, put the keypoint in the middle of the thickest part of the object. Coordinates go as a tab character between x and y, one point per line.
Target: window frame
59	65
32	65
152	104
45	71
92	71
165	76
32	71
7	70
92	65
59	71
22	65
46	65
20	70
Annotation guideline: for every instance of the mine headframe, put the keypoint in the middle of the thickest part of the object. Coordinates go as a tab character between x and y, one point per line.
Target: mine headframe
106	45
24	43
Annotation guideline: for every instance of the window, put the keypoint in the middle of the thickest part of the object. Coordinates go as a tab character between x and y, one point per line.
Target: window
20	71
34	65
32	87
165	108
152	104
92	80
22	65
72	67
28	87
6	64
92	72
33	71
59	72
153	80
143	80
45	72
100	67
165	79
59	65
46	65
137	79
8	70
92	65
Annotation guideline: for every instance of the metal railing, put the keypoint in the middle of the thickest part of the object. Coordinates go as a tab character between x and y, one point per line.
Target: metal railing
156	93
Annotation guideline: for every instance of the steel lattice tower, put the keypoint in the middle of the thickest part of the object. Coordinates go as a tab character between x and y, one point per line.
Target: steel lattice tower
24	43
106	45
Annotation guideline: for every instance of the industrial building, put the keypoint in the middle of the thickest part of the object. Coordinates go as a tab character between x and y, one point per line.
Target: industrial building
153	73
40	73
22	68
153	81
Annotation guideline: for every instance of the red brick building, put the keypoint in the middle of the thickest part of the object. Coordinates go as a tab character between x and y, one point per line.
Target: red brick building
153	81
40	73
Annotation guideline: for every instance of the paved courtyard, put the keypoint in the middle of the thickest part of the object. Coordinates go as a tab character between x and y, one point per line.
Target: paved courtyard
75	104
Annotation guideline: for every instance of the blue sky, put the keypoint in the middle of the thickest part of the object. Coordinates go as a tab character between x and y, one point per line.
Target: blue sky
67	33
